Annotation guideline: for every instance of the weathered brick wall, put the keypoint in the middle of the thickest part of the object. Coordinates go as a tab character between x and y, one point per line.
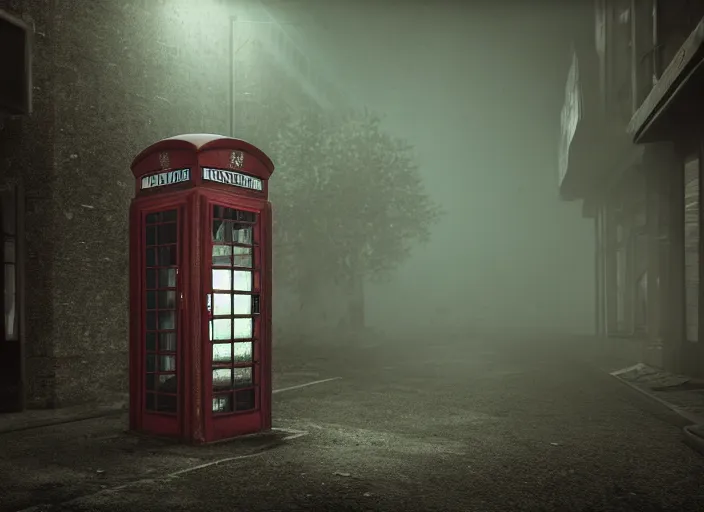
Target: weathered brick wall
111	76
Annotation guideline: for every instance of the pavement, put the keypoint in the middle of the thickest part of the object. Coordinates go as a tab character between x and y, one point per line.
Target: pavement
406	425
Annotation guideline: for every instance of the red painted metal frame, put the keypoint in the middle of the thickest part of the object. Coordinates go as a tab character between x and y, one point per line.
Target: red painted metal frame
237	423
195	422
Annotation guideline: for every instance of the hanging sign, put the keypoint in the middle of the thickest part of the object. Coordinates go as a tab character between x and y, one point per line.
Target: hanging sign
166	178
235	179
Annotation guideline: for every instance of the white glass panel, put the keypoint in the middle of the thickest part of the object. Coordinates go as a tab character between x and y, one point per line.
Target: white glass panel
243	328
222	279
242	233
222	378
222	304
243	352
222	403
167	363
242	305
220	329
242	257
243	377
242	280
222	255
222	353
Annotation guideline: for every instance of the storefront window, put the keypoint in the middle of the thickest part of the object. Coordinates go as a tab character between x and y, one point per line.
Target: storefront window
9	264
641	282
691	248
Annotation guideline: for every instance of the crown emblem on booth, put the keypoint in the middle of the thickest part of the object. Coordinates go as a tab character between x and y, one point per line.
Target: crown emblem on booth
236	160
164	160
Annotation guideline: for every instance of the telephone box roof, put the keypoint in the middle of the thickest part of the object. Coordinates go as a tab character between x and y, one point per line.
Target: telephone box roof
199	142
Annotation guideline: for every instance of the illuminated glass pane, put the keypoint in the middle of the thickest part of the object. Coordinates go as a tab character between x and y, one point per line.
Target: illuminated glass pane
243	352
222	352
222	379
242	280
220	329
167	320
167	363
242	233
243	377
167	278
243	328
241	304
218	231
222	304
222	403
242	257
167	341
222	279
222	255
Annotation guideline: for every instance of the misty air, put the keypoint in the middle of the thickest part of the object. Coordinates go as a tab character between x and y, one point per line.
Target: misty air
339	255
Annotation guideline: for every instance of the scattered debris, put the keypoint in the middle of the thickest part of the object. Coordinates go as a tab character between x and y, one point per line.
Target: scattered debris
555	444
340	473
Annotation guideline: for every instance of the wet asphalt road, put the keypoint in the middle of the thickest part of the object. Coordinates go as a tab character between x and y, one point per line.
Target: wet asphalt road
484	427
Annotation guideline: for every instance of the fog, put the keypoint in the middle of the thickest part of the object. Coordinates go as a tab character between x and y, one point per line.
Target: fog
477	90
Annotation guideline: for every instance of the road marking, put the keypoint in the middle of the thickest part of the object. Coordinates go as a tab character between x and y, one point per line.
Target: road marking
305	385
292	434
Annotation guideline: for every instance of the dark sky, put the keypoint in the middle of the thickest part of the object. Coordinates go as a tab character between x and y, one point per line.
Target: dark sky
477	87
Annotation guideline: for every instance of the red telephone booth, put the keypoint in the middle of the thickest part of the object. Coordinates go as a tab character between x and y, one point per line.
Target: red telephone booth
200	289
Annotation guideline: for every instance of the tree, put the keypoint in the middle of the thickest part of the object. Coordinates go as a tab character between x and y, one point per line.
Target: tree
350	202
348	197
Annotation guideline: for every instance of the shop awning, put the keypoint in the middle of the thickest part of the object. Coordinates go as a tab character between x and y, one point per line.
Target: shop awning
676	96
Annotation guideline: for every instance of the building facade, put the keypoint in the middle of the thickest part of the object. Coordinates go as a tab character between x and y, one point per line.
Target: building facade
631	153
109	78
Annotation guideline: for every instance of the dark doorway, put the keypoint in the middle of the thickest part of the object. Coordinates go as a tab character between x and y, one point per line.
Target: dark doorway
11	349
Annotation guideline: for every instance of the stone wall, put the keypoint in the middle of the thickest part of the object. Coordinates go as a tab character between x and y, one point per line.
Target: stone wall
110	78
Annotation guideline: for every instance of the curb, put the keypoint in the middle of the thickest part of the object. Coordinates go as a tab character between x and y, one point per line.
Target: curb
692	439
31	425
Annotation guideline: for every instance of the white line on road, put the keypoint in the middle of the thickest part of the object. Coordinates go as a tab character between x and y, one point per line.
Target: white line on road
305	385
292	434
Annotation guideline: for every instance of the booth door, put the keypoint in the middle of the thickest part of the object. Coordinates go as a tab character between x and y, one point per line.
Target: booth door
161	333
234	349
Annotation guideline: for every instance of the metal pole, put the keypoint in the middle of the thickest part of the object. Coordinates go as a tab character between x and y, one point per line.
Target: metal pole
233	20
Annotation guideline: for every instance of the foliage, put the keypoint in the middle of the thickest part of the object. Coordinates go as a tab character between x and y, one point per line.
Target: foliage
349	197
